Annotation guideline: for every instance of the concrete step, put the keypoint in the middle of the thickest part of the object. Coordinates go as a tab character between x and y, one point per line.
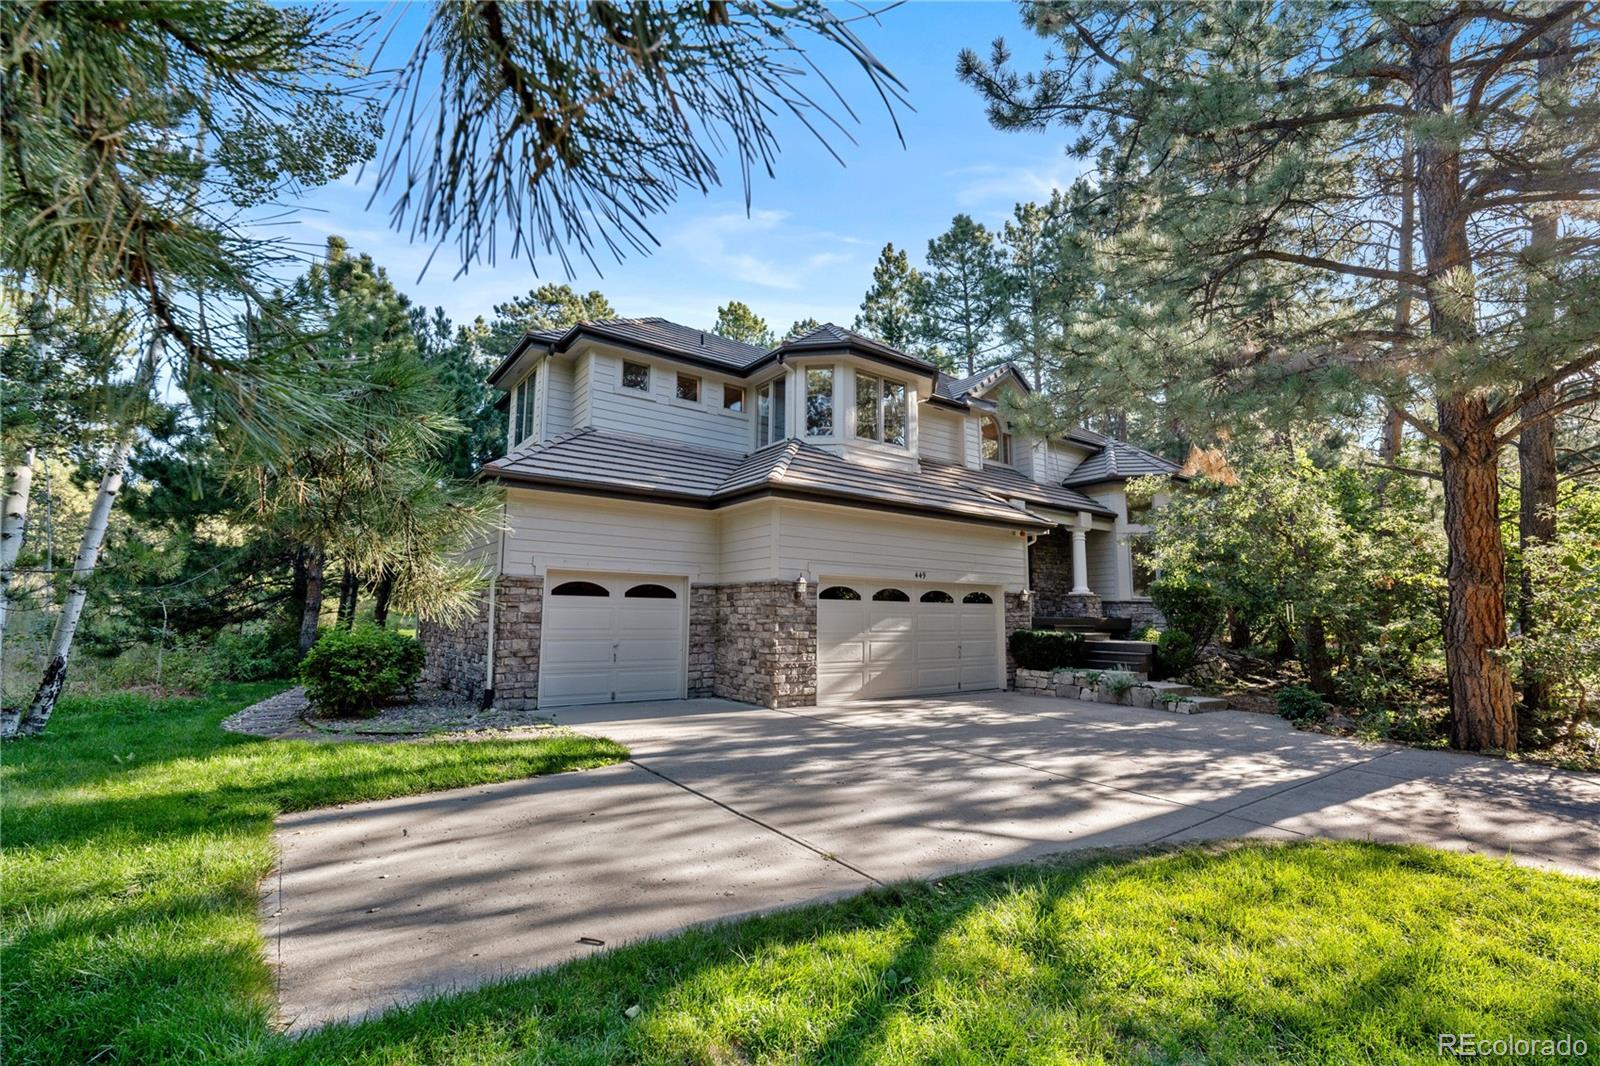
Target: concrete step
1171	688
1193	705
1097	637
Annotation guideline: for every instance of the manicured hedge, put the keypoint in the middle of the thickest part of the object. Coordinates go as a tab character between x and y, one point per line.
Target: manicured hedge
1047	649
352	673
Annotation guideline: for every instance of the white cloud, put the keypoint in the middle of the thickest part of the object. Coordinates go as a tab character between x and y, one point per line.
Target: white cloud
991	185
765	248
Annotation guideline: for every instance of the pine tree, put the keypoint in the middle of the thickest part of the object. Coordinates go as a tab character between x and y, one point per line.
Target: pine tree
889	310
800	327
1255	153
962	300
737	322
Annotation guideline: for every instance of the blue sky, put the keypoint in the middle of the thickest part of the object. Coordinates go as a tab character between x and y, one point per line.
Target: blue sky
808	243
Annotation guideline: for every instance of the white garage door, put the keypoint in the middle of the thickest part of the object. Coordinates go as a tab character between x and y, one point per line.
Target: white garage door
610	639
905	639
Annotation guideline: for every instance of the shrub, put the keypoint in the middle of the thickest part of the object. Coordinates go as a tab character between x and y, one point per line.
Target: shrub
1046	649
1119	682
1189	608
262	654
1299	704
354	672
177	668
1174	653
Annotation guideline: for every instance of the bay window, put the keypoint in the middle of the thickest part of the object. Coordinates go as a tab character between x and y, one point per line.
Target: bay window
819	401
771	399
880	410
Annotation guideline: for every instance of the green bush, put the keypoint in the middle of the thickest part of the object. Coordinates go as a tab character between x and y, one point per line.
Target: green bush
262	654
1299	704
352	673
1190	608
1046	649
1174	653
179	667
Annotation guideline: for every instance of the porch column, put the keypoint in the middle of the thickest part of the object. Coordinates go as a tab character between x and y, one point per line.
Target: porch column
1080	563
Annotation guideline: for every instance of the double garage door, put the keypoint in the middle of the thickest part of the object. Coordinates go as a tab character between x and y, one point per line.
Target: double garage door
610	639
877	640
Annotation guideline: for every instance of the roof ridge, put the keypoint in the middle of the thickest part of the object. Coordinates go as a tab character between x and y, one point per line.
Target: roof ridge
791	448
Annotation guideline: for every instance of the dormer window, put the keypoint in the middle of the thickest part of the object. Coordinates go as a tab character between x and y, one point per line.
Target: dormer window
635	375
819	401
771	400
880	409
689	388
733	398
996	441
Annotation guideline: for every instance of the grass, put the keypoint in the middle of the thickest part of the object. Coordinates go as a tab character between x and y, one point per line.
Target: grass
130	888
136	832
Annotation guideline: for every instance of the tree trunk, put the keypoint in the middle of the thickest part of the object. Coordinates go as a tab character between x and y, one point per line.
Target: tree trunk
296	609
1475	619
380	598
1238	630
1483	715
1394	426
34	720
13	528
348	590
1536	443
1319	664
312	614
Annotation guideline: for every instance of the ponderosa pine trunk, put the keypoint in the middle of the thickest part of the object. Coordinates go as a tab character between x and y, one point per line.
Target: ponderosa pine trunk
13	528
1536	442
381	594
1319	664
348	586
1481	704
311	614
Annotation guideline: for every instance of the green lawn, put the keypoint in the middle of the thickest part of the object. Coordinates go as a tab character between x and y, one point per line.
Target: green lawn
129	893
135	833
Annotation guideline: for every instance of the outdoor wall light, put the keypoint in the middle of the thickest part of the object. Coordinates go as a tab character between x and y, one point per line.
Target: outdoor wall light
800	587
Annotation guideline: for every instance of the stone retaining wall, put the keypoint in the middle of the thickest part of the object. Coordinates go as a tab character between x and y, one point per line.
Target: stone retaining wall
1101	686
455	657
1143	613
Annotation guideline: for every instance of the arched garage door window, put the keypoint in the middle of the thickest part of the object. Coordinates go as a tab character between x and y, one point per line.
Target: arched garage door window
650	592
839	592
579	588
937	596
891	596
976	597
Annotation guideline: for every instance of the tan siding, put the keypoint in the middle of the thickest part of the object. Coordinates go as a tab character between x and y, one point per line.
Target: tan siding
941	435
660	413
974	443
568	531
746	541
558	398
582	389
1102	559
1061	461
852	542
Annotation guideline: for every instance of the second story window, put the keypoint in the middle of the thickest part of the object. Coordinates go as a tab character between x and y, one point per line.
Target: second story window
635	376
771	400
522	411
880	410
996	441
733	398
819	401
689	388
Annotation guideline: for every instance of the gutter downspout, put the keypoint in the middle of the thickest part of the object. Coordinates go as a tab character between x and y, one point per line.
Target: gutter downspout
494	588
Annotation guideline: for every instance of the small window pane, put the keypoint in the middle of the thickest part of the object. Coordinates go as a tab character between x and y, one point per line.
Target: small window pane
937	596
732	398
763	416
579	588
839	592
891	596
650	592
867	425
780	409
976	597
635	376
689	388
996	444
894	413
819	401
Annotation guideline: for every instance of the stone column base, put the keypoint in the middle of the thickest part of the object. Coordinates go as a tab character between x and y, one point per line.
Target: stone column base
1081	605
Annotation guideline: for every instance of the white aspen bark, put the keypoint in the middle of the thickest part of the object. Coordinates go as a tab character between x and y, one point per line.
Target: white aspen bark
37	716
13	527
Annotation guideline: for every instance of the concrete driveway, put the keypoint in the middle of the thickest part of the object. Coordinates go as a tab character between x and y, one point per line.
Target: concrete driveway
728	809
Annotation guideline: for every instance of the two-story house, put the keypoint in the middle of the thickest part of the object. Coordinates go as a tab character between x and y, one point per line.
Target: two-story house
830	519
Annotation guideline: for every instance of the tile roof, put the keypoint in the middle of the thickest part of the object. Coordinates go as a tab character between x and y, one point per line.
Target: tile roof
1010	484
647	466
1117	461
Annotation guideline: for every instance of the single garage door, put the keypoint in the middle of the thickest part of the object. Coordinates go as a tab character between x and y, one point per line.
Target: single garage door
609	639
904	639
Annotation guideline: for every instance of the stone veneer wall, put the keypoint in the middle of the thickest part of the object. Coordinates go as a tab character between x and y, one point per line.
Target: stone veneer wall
1144	613
519	614
454	656
1019	615
702	640
766	643
1050	573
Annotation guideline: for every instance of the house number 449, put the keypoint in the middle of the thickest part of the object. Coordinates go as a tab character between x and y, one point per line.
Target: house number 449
919	573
